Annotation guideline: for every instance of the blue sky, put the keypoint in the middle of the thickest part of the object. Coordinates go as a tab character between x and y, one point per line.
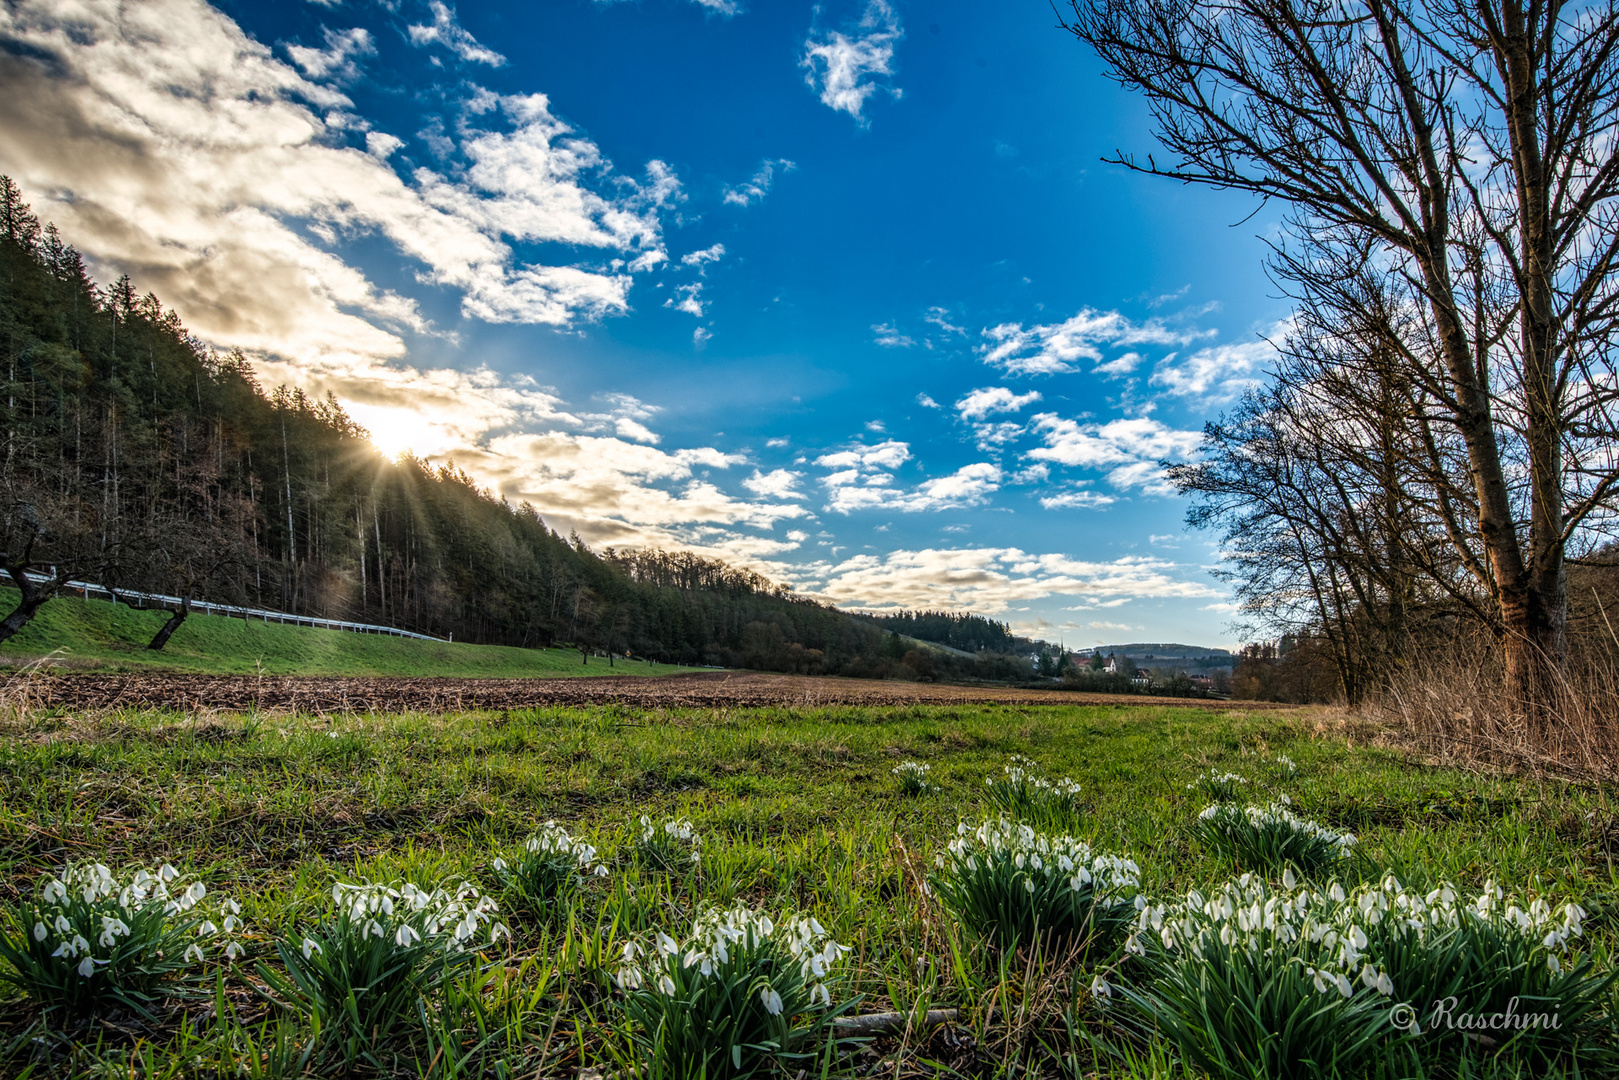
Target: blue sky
841	291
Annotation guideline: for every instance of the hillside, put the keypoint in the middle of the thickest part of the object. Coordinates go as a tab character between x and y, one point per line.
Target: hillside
1148	650
103	636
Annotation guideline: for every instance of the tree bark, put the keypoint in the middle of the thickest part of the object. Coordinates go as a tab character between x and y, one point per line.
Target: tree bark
34	597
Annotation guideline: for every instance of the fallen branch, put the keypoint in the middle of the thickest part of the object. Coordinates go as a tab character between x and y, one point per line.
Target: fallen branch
887	1023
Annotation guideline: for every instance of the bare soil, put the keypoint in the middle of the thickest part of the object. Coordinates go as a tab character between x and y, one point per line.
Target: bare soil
717	689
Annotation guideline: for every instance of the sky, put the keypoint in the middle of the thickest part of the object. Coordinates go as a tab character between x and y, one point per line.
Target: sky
844	292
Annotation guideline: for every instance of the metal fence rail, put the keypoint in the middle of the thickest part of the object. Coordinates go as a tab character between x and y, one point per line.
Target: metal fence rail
142	600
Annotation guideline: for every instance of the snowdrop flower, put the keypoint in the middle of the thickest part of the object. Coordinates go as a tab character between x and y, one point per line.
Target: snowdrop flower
1100	989
406	935
87	967
193	952
40	931
771	1000
666	986
232	950
311	947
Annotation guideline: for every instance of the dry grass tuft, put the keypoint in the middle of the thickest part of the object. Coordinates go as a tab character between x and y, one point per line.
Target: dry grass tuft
1458	711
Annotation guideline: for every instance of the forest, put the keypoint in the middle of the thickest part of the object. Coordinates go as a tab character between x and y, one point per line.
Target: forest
139	457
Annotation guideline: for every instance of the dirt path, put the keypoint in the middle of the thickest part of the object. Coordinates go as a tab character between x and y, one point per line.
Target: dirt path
702	690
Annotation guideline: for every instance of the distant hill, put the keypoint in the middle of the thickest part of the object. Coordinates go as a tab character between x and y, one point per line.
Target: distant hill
1165	650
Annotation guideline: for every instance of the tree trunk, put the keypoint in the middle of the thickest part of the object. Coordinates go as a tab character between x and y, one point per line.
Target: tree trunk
33	598
175	619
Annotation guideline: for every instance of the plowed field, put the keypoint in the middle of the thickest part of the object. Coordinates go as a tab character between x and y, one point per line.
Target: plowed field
703	690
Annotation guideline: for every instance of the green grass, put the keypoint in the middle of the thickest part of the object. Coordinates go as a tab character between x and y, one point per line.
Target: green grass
97	635
798	810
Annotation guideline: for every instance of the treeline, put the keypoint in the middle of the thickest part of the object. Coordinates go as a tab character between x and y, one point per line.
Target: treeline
970	633
136	456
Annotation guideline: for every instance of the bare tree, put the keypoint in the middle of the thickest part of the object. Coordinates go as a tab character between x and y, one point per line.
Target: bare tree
1464	148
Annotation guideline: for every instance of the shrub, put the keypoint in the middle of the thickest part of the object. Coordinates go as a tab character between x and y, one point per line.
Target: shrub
1024	795
95	939
552	865
1269	838
1218	786
913	777
1011	885
742	993
1293	982
366	968
670	845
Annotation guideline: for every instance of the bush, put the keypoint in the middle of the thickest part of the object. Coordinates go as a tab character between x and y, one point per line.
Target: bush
741	994
553	864
367	968
1012	886
95	939
1270	838
670	846
1300	983
1024	795
913	777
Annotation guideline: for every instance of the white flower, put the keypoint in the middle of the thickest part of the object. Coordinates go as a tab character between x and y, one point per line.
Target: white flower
87	967
311	947
406	935
1100	988
40	931
193	952
232	951
772	1001
666	985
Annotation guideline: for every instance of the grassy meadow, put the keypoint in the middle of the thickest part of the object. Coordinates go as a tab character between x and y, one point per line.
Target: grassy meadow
798	810
101	636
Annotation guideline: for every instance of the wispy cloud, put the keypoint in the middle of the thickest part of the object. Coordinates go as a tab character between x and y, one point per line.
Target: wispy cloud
1131	449
993	399
845	69
1221	372
990	579
336	60
1057	348
446	30
755	189
775	484
889	337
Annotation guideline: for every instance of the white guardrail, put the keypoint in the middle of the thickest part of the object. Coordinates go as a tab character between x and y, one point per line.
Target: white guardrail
142	600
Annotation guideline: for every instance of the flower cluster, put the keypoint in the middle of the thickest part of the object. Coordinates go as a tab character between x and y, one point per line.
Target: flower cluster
1271	837
553	863
1026	795
721	937
1286	765
741	993
913	777
408	914
1219	786
1011	883
669	845
93	934
999	842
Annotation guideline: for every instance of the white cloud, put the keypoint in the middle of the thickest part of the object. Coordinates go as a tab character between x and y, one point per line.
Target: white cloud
1221	372
701	336
713	253
940	317
687	298
634	429
1132	447
1059	347
776	484
724	8
1120	365
990	436
755	189
447	31
969	485
1077	500
777	443
993	399
173	147
844	69
889	454
889	337
927	402
988	580
336	61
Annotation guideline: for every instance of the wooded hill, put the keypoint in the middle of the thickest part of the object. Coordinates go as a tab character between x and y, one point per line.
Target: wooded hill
138	457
